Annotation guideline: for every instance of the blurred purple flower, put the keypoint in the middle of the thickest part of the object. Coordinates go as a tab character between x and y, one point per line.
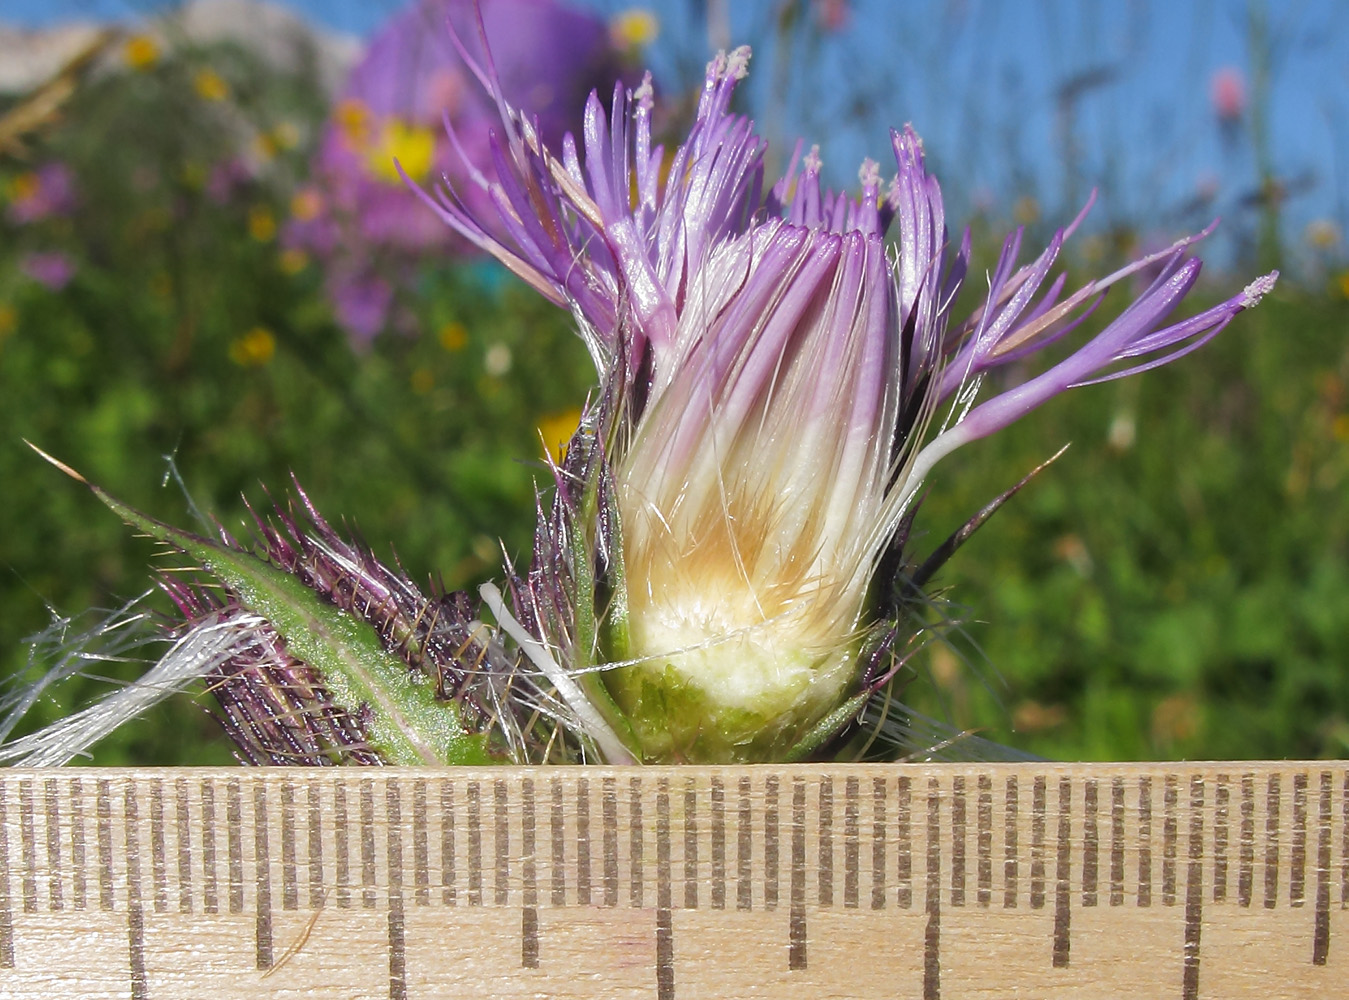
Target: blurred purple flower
53	269
361	301
357	216
42	193
226	178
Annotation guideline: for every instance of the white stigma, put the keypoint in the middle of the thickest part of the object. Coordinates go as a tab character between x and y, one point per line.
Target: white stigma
894	193
737	65
644	95
1258	289
870	175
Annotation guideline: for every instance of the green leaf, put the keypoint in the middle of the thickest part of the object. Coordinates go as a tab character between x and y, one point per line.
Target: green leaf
405	722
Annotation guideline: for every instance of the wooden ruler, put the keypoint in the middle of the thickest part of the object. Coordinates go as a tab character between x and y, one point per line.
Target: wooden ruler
992	880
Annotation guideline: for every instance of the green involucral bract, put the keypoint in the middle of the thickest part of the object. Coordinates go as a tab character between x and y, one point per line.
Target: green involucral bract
405	722
738	705
601	631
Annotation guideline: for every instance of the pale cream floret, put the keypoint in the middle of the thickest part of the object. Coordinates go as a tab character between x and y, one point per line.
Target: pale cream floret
718	641
750	498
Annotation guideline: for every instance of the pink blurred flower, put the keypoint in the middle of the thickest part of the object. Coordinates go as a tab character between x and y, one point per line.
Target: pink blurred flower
833	15
1227	94
53	269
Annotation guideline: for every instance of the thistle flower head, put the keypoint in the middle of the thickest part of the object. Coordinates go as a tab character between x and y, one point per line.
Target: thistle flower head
778	383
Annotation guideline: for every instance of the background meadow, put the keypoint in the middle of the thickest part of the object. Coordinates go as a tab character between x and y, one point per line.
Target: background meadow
191	313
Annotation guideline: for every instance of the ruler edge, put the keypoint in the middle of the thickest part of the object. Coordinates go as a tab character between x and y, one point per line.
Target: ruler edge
1179	773
1086	769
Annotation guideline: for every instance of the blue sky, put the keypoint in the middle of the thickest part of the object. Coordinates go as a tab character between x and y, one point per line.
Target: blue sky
982	81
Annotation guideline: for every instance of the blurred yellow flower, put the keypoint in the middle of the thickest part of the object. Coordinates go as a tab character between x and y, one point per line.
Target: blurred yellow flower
1031	716
1072	550
286	135
307	204
497	360
1342	283
193	175
269	143
9	320
634	28
140	52
556	429
210	85
1322	234
453	337
1340	427
1176	719
413	146
353	118
422	381
26	185
254	349
1123	431
1094	247
1025	210
261	223
293	261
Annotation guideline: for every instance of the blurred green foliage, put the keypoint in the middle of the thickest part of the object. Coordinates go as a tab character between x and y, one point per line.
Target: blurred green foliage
1175	586
187	332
